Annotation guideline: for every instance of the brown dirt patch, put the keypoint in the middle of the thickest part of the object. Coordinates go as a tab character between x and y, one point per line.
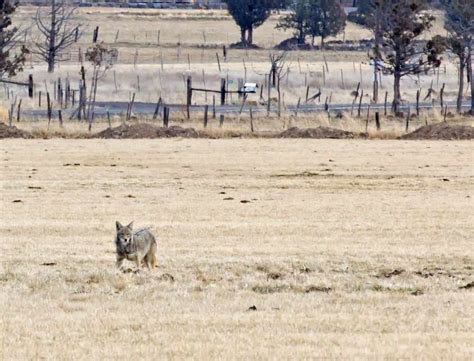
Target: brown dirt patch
7	131
442	131
320	133
140	131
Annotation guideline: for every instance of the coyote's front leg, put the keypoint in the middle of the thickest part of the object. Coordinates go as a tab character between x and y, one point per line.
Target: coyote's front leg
138	258
119	261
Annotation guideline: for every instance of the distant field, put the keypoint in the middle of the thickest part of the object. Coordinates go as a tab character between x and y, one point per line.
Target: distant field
189	41
347	249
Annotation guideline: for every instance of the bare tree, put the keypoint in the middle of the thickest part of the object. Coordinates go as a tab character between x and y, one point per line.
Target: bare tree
56	32
277	72
10	63
102	59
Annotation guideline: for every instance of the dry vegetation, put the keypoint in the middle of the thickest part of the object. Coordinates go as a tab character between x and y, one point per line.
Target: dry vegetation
268	248
264	126
347	249
198	35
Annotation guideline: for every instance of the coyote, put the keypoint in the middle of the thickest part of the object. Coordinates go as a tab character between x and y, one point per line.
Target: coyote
138	246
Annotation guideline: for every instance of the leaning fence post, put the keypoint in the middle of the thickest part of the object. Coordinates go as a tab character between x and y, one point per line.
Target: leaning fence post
218	62
157	109
48	100
251	119
377	120
360	102
297	107
95	35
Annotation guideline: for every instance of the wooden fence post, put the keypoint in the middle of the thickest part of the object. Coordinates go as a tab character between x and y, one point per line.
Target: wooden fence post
189	94
206	110
441	93
297	107
218	62
407	124
367	121
30	86
223	81
221	120
48	100
360	102
166	116
251	119
130	107
18	111
95	35
377	120
157	109
213	107
418	103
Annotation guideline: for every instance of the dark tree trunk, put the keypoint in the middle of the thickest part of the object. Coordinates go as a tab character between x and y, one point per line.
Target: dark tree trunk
462	65
322	42
274	74
397	98
376	54
52	39
250	36
301	37
469	72
243	40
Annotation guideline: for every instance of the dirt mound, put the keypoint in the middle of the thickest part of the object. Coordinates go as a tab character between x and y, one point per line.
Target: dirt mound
292	44
338	45
442	131
319	133
241	45
7	131
141	131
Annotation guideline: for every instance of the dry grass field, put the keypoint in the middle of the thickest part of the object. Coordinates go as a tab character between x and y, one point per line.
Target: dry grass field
347	249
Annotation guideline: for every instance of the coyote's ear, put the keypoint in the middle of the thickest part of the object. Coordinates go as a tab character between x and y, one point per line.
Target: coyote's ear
130	225
118	225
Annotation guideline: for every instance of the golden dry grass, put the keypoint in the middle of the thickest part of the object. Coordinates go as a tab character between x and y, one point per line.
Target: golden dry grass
347	249
239	125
